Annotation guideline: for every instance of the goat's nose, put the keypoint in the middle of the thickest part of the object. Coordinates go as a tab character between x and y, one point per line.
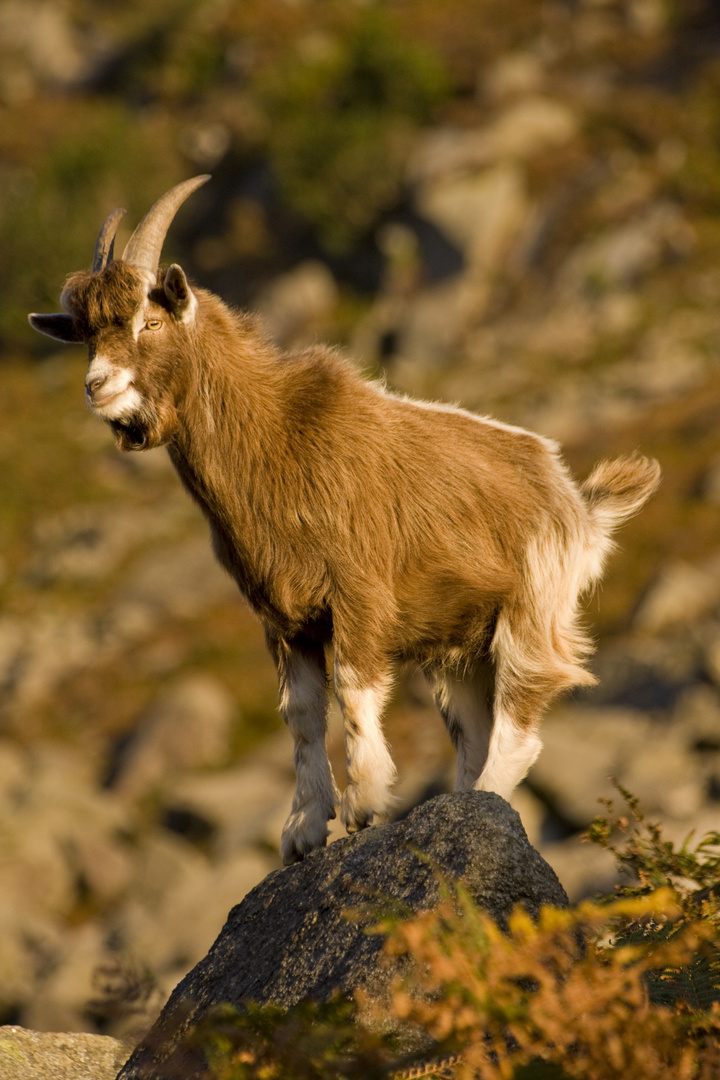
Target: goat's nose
93	384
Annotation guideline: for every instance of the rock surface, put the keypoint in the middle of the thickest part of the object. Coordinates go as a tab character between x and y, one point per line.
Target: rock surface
30	1055
302	933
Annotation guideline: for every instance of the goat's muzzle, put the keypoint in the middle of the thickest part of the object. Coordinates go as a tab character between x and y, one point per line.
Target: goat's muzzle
93	384
94	394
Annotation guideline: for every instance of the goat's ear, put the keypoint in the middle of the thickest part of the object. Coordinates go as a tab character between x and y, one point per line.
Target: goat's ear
60	327
179	294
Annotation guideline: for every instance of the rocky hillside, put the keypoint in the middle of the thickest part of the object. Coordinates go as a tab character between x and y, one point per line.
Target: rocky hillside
515	208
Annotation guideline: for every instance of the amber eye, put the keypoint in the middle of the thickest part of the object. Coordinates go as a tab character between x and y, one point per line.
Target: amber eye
153	324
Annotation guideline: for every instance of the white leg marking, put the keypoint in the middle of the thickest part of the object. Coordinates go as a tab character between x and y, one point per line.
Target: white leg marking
303	704
370	769
511	753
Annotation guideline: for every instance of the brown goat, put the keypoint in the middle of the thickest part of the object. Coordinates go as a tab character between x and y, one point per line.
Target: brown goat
349	516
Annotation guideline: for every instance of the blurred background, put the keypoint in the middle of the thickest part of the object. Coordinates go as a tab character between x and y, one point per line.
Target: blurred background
512	206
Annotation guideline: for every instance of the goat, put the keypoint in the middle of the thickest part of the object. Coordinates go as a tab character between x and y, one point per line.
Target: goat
392	530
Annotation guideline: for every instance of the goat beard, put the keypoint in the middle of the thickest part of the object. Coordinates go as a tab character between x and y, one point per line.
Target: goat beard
144	431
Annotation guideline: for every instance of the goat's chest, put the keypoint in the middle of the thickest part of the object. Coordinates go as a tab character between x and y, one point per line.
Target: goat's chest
276	562
284	590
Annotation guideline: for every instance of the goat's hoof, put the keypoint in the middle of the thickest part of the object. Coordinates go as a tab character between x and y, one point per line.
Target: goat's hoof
355	818
356	809
305	831
291	856
359	823
294	849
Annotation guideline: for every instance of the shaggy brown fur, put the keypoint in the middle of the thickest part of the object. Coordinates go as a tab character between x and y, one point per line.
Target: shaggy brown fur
390	529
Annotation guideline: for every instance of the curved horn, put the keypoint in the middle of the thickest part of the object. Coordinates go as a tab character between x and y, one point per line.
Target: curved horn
105	241
145	245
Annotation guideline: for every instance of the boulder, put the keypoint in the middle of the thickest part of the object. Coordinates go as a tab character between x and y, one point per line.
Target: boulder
583	748
303	932
683	593
174	936
624	254
33	1055
188	726
525	128
586	749
182	579
295	302
59	834
480	213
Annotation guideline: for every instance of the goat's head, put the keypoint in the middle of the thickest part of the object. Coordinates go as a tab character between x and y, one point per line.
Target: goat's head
135	322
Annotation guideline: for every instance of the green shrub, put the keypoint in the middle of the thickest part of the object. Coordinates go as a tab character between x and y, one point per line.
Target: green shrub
341	116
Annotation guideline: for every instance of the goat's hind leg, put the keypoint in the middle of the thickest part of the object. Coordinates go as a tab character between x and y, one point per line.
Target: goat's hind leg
521	693
303	705
465	704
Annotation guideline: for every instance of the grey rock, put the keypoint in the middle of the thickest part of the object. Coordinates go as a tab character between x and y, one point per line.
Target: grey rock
32	1055
59	829
59	1002
86	543
188	726
295	302
691	833
37	652
697	713
294	938
479	213
29	942
164	863
235	803
177	933
585	869
525	128
583	749
533	814
683	593
649	674
40	652
183	579
665	777
668	758
626	253
428	334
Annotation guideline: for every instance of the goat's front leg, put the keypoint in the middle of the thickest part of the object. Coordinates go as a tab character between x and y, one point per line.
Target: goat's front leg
370	769
303	705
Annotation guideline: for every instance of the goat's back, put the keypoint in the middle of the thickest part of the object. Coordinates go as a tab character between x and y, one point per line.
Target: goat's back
427	507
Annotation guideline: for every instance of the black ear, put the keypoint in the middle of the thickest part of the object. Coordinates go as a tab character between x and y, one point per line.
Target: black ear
179	294
60	327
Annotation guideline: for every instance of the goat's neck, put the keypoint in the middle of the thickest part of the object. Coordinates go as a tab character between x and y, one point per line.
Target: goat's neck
230	451
229	424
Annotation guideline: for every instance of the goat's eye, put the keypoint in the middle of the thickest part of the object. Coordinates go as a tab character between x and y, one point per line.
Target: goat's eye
153	324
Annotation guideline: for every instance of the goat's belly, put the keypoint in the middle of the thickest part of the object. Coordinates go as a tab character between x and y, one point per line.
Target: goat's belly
441	619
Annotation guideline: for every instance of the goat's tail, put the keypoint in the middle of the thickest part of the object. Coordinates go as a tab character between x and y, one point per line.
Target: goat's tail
615	490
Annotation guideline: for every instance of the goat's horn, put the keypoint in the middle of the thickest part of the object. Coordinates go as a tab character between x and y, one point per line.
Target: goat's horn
145	245
105	242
